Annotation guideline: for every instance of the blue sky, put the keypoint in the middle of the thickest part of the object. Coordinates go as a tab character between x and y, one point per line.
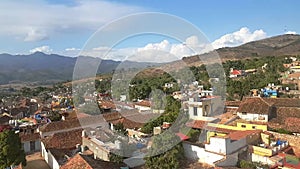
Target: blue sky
54	26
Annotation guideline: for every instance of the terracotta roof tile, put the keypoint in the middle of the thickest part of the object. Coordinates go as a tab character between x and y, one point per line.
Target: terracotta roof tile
255	106
107	105
72	124
87	162
145	103
292	124
237	135
29	136
233	103
128	124
283	102
64	140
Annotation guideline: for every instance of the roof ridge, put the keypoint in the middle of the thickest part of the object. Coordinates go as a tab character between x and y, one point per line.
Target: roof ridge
266	102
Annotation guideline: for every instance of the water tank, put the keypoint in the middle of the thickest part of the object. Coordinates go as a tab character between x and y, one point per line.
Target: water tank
118	144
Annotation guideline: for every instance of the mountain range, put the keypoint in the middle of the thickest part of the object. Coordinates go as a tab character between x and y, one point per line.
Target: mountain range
282	45
44	68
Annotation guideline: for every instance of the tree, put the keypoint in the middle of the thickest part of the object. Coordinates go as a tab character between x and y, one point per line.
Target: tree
165	152
11	150
78	100
55	116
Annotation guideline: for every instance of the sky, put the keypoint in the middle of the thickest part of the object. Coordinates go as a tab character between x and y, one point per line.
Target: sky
65	27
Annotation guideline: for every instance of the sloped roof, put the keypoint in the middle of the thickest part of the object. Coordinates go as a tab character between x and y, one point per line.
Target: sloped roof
73	123
292	124
255	106
236	72
64	140
237	135
29	137
87	162
283	102
128	124
233	103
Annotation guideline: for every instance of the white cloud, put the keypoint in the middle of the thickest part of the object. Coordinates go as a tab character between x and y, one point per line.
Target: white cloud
242	36
72	49
291	32
163	51
44	49
39	20
35	35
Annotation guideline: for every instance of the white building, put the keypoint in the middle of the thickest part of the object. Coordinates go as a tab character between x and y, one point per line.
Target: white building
203	108
254	109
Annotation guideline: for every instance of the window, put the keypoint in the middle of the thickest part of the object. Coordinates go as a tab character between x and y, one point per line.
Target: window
206	110
32	145
243	126
195	111
244	113
253	127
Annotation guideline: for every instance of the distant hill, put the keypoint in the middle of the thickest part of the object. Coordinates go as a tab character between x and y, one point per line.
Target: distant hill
275	46
46	69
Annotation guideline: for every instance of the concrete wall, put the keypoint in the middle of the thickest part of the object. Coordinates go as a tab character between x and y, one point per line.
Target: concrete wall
26	146
233	146
261	159
199	112
194	152
225	145
217	145
99	151
53	164
253	117
49	158
229	161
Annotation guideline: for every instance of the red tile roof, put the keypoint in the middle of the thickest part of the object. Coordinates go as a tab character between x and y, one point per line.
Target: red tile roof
292	124
87	162
237	135
182	136
145	103
72	124
128	124
199	124
233	103
236	72
255	106
63	140
29	137
107	105
77	162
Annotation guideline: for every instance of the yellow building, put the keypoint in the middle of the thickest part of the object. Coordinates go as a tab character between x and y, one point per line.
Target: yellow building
239	127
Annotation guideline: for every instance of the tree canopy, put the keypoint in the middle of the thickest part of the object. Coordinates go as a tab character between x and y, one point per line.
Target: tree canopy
11	150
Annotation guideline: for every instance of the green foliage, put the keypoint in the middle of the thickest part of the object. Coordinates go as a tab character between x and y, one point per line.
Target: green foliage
78	100
142	86
194	135
103	86
11	150
171	113
242	86
55	116
251	165
119	127
164	152
282	131
115	158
